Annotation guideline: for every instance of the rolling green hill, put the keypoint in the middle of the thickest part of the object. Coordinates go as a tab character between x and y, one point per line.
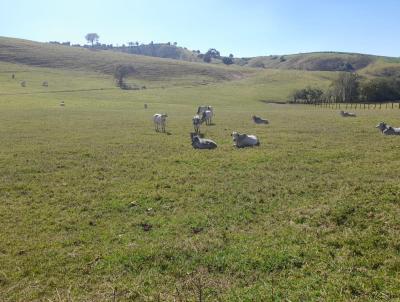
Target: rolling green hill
158	61
322	61
149	68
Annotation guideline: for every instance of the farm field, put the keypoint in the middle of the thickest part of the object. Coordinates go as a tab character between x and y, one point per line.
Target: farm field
97	206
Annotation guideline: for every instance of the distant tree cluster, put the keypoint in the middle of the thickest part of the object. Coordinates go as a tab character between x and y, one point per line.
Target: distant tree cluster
380	90
350	87
169	50
228	60
212	53
307	95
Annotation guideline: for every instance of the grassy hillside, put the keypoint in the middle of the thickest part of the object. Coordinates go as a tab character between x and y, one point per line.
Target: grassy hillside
96	206
57	56
324	61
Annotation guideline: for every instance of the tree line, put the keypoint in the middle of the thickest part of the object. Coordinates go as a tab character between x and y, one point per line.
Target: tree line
350	87
161	50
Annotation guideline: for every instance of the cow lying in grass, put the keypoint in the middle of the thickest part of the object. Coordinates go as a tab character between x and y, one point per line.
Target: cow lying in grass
347	114
160	120
244	140
388	130
202	143
259	120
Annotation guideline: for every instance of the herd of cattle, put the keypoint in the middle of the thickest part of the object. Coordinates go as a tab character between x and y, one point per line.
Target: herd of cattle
205	114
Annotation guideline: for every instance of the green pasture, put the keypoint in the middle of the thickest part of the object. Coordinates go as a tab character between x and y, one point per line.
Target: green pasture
97	206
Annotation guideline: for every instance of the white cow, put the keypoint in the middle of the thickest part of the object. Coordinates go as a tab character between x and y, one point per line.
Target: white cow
259	120
244	140
207	117
388	130
203	108
347	114
202	143
197	121
159	120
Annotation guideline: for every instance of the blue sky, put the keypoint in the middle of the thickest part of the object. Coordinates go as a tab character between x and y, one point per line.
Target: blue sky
244	28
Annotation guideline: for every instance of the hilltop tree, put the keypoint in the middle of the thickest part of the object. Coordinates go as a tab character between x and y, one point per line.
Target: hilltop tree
212	53
121	72
92	37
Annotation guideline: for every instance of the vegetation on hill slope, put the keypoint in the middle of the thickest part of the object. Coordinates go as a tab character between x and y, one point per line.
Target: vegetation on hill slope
314	61
57	56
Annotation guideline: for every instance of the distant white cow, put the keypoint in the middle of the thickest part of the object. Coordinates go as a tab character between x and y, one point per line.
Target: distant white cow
203	108
244	140
202	143
196	120
259	120
23	84
62	104
160	121
347	114
388	130
207	117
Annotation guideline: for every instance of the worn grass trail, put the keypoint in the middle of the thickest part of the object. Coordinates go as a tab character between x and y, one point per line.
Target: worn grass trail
96	205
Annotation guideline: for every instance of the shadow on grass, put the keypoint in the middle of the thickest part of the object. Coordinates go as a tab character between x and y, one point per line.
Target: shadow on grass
273	102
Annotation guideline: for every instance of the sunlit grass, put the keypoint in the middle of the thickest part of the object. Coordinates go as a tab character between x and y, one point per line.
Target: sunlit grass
96	206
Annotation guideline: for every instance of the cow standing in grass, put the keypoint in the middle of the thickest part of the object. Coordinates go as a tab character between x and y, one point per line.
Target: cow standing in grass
197	121
160	120
207	117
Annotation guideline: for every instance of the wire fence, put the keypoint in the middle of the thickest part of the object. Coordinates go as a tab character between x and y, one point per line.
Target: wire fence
366	106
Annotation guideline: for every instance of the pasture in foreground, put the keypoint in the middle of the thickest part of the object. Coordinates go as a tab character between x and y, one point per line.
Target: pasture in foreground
96	206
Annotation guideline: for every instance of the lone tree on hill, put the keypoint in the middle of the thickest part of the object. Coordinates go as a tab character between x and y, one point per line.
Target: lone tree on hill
92	37
121	72
212	53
